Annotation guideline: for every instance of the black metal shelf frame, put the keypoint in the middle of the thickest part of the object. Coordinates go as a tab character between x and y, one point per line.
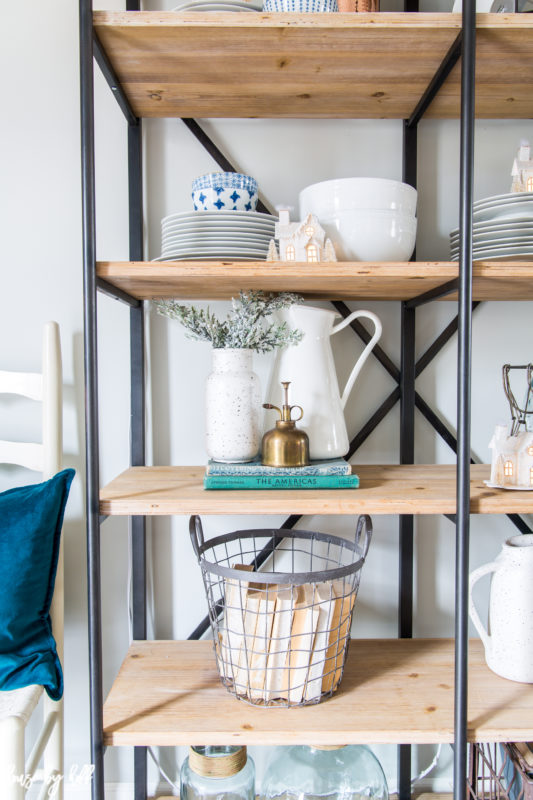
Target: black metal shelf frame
405	376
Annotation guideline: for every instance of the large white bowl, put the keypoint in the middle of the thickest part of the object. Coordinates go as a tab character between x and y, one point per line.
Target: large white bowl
342	194
371	235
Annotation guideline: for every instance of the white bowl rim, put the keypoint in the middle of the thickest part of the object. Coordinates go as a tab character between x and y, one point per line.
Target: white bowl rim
369	210
380	181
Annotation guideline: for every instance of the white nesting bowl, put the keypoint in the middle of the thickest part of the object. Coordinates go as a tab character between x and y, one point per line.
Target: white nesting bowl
342	194
370	235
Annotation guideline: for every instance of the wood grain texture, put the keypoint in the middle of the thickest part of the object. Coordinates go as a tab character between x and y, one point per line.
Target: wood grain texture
311	65
393	690
221	280
389	489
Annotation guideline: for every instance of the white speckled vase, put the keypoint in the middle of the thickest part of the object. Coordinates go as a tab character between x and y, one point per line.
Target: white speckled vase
509	646
233	407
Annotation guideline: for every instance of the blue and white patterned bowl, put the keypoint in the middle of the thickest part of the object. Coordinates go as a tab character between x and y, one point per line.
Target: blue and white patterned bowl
300	6
224	191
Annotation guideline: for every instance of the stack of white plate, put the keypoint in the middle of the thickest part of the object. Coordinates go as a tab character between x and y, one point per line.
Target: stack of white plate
216	235
502	228
224	5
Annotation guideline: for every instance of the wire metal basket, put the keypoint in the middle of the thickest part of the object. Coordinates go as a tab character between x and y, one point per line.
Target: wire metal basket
281	636
500	772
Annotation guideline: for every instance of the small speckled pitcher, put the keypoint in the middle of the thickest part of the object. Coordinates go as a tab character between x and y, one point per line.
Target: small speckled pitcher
233	407
509	646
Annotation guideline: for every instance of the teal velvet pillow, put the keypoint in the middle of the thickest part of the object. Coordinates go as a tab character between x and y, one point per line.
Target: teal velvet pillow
30	528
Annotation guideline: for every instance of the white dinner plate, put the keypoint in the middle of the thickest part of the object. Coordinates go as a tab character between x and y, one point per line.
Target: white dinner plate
223	227
208	257
201	248
498	199
256	5
225	8
492	241
501	255
481	227
215	241
217	216
509	212
497	246
215	251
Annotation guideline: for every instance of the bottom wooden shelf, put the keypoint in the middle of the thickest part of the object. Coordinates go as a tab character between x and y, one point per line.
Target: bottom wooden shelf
393	690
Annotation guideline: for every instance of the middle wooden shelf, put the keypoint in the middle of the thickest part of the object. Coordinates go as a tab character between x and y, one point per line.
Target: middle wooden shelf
384	489
393	690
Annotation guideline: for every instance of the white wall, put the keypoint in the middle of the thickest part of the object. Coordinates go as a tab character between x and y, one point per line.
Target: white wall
41	278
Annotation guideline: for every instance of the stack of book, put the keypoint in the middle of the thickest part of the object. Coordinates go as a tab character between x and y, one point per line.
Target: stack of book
335	473
284	642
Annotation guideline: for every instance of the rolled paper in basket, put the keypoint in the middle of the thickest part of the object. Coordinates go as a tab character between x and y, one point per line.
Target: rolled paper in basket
304	625
338	638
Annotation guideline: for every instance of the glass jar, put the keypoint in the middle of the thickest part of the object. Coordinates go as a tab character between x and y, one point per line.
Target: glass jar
336	773
218	773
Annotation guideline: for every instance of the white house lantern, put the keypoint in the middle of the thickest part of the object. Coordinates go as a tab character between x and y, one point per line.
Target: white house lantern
300	241
512	458
512	447
522	172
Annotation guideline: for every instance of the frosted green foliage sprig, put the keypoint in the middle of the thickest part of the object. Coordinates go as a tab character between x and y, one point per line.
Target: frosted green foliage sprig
246	326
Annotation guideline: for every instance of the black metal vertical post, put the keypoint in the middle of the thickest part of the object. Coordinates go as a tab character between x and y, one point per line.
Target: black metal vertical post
91	394
138	409
407	454
137	425
464	396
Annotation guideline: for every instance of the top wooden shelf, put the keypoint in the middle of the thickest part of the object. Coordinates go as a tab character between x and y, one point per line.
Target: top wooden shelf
343	280
312	65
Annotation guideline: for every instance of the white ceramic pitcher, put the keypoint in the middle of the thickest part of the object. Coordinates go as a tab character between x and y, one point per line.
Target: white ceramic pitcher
509	645
310	368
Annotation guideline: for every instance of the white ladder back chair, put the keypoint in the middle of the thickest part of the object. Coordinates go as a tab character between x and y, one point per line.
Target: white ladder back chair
17	706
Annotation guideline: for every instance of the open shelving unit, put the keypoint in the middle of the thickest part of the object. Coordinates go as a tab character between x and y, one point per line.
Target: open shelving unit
394	66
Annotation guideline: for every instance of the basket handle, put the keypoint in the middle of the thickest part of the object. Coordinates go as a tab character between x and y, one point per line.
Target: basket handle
197	534
363	533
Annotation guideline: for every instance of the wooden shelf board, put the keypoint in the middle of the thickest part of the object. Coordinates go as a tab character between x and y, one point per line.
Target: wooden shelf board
311	65
216	280
389	489
393	690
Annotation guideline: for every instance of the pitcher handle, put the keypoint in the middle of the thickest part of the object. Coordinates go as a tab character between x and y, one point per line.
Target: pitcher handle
366	352
474	577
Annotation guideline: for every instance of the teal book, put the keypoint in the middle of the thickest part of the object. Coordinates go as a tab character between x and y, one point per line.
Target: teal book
281	482
332	466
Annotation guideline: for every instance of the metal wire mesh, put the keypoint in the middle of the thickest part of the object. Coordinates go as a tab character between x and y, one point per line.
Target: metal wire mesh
499	772
281	634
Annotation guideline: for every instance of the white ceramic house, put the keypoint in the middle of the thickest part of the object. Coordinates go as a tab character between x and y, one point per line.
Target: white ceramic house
522	172
301	241
512	458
